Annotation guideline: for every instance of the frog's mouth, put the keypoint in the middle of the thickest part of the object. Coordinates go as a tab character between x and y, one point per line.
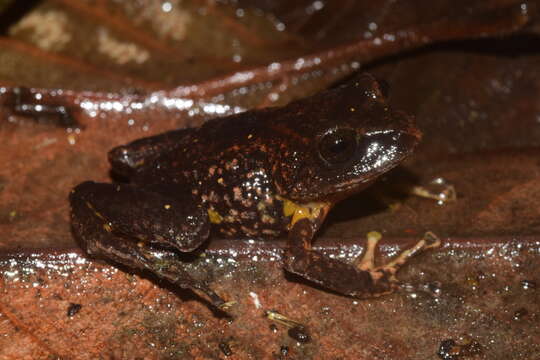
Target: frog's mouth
343	190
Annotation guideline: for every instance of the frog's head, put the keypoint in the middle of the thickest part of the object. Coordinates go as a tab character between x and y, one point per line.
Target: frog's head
340	141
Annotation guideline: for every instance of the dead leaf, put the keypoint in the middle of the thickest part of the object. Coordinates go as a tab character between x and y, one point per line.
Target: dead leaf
131	69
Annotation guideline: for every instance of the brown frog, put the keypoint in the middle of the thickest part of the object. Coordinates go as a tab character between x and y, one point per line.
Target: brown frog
258	174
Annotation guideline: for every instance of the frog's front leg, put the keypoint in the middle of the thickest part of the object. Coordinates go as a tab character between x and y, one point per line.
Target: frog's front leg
129	225
362	279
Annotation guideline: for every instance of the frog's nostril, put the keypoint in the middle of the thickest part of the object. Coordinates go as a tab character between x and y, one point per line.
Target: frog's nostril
409	139
406	125
415	133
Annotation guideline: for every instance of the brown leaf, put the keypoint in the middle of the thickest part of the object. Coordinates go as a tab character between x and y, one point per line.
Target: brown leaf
131	69
487	291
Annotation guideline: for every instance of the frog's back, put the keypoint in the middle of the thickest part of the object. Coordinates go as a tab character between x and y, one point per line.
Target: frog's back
240	132
228	163
212	137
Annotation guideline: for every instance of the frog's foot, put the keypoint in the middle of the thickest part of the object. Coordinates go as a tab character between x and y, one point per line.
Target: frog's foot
387	272
362	280
135	257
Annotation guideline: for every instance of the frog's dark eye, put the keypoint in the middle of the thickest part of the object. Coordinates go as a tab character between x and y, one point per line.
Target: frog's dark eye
338	146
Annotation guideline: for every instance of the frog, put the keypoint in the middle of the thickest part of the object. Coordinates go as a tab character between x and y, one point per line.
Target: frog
260	174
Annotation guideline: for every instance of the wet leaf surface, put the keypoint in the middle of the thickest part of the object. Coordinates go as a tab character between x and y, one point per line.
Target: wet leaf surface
488	292
131	69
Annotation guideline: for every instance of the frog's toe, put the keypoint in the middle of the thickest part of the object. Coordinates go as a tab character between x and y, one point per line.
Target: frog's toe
428	241
227	305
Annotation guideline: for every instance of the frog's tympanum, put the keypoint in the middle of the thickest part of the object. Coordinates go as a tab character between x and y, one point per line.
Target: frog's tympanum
259	174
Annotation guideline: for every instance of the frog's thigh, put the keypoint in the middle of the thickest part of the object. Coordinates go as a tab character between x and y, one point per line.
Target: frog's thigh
145	216
110	222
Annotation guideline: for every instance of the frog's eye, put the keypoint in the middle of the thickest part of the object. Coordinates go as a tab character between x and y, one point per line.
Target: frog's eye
338	146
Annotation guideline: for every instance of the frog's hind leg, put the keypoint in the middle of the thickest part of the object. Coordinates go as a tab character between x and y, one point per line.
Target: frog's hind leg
138	228
361	280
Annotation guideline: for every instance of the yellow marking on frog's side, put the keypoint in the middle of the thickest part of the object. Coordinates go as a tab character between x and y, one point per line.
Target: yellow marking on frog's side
214	217
91	207
107	226
311	210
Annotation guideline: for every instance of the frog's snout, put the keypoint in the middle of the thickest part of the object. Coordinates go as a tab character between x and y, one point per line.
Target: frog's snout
407	141
407	125
406	135
384	148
